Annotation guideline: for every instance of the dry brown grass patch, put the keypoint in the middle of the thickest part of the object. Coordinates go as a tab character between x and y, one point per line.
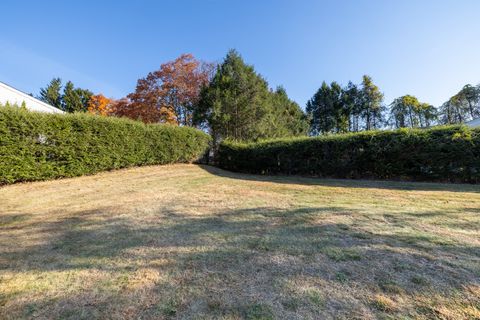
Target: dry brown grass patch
188	242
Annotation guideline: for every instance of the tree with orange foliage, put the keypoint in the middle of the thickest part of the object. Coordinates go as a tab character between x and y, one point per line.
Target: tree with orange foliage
101	105
169	94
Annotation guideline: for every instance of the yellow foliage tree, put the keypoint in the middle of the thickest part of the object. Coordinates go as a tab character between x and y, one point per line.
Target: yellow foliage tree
101	105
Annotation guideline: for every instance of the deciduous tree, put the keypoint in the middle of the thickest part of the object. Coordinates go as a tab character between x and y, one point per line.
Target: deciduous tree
170	93
407	111
463	106
100	105
469	97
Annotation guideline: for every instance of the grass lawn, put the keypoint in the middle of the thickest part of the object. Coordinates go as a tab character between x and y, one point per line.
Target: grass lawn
194	242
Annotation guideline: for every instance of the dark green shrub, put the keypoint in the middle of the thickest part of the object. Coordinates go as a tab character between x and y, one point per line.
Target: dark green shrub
39	146
437	154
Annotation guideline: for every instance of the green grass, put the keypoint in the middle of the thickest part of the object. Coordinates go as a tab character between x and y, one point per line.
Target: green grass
190	242
259	311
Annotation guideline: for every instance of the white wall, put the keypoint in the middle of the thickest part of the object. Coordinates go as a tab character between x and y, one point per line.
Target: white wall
14	96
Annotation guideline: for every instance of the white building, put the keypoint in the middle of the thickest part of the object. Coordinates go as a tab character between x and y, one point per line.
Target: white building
473	123
14	96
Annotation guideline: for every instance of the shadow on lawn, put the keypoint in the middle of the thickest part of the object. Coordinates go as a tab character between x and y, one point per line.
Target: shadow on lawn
220	258
345	183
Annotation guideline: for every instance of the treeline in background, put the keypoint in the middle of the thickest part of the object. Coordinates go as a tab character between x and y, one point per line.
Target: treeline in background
230	100
253	128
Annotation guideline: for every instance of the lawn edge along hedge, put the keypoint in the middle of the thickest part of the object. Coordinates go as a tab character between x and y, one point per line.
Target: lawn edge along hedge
41	146
443	154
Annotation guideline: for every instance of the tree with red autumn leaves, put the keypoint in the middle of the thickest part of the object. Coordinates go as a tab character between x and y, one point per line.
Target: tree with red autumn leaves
170	94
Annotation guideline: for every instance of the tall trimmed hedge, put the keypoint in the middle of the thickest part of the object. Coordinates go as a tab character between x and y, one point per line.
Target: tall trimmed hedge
437	154
39	146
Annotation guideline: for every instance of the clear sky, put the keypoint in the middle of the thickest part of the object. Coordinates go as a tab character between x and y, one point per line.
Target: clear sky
428	48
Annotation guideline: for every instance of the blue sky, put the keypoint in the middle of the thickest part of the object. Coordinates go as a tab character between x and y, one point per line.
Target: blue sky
427	48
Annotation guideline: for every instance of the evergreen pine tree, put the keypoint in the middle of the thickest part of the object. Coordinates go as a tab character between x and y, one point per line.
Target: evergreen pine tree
238	104
51	94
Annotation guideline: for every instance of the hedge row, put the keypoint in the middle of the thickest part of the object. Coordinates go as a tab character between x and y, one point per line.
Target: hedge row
39	146
438	154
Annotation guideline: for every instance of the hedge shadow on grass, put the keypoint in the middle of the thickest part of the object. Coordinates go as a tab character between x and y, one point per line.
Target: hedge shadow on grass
220	258
343	183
